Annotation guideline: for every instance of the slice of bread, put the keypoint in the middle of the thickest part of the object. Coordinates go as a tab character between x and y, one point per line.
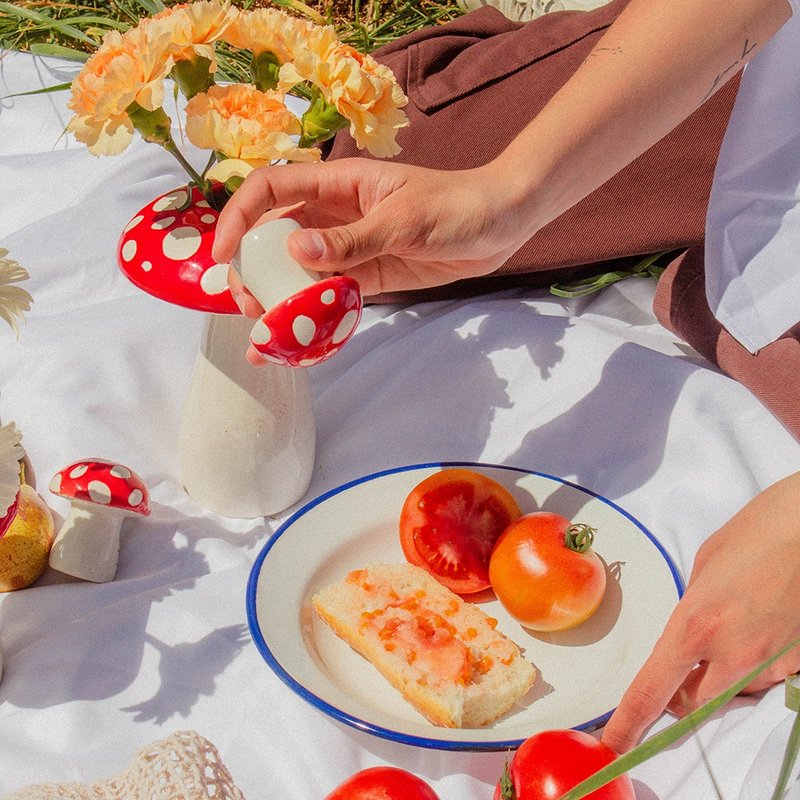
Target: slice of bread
443	654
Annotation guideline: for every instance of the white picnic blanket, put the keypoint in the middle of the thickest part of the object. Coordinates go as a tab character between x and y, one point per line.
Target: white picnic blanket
592	390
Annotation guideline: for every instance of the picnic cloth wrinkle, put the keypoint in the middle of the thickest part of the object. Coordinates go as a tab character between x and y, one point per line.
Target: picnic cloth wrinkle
772	374
474	83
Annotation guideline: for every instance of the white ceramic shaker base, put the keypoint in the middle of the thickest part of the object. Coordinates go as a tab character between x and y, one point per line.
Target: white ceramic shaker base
248	434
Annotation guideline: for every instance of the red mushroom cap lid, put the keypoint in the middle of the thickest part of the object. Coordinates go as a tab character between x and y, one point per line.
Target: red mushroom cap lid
311	325
104	483
166	250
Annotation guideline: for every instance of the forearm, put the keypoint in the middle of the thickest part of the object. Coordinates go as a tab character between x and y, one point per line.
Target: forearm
653	67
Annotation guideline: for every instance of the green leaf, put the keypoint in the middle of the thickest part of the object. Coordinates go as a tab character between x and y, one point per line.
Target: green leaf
646	267
589	285
660	741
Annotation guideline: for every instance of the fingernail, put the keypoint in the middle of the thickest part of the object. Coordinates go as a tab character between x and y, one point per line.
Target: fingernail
311	243
240	300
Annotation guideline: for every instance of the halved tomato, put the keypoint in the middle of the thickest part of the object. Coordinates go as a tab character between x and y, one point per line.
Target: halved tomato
450	522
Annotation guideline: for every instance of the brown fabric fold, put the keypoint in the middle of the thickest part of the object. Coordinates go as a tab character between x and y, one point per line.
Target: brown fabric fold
772	374
474	83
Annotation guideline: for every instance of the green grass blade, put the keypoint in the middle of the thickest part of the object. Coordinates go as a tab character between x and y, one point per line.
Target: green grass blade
93	19
60	87
47	22
655	744
60	51
151	6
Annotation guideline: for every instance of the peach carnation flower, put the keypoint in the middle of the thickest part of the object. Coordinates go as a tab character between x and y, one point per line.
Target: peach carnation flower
127	68
194	27
362	90
251	128
267	30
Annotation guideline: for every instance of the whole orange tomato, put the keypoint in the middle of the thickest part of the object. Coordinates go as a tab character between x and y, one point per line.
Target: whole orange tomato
545	573
449	524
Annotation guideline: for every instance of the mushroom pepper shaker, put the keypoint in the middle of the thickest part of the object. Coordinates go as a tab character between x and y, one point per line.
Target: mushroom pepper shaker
102	495
247	436
307	318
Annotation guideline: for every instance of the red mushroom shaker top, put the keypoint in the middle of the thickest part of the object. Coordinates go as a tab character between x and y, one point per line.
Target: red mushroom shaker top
307	318
103	483
166	250
311	325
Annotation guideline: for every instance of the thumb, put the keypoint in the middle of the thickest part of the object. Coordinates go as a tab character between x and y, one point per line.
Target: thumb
340	248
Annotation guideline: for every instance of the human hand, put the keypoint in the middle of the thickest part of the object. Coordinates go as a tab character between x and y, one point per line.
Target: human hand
741	606
389	226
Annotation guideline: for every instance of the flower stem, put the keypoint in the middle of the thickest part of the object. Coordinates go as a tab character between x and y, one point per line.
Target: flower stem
202	183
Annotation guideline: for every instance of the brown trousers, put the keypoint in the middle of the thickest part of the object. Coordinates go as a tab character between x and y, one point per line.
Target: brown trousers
474	83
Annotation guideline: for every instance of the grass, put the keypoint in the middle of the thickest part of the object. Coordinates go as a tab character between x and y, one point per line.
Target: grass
74	29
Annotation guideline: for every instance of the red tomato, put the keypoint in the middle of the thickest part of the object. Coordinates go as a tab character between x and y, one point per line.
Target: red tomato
449	524
545	573
383	783
550	763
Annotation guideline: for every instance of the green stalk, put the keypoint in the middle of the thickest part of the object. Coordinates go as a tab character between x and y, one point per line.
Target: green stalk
655	744
793	745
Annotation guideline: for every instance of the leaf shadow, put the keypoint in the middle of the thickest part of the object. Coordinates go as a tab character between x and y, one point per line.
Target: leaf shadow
187	672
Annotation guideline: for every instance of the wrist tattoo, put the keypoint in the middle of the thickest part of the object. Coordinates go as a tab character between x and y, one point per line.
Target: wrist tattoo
746	50
615	51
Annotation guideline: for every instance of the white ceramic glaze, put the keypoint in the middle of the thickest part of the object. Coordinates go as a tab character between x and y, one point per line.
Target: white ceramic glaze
87	545
248	435
582	672
265	266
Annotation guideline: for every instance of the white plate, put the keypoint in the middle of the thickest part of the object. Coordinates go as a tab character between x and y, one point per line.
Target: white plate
582	673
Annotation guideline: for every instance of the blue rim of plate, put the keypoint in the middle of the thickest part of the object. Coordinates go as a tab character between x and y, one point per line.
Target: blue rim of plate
378	730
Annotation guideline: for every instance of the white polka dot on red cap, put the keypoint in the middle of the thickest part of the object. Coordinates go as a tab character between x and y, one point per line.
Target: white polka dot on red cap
181	243
304	329
99	492
345	327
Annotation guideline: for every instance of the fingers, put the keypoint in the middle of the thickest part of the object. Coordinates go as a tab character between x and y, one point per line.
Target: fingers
648	694
340	248
263	189
706	682
248	305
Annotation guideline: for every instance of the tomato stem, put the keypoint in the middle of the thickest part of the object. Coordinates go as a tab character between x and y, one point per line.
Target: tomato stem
579	537
507	791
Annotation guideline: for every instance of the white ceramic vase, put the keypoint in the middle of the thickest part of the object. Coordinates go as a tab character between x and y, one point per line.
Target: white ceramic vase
248	435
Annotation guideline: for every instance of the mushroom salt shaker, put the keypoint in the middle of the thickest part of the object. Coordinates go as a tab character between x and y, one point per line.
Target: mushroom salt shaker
101	494
308	318
247	435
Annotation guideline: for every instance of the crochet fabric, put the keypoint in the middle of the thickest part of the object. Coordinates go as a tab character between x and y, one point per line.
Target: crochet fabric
184	766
